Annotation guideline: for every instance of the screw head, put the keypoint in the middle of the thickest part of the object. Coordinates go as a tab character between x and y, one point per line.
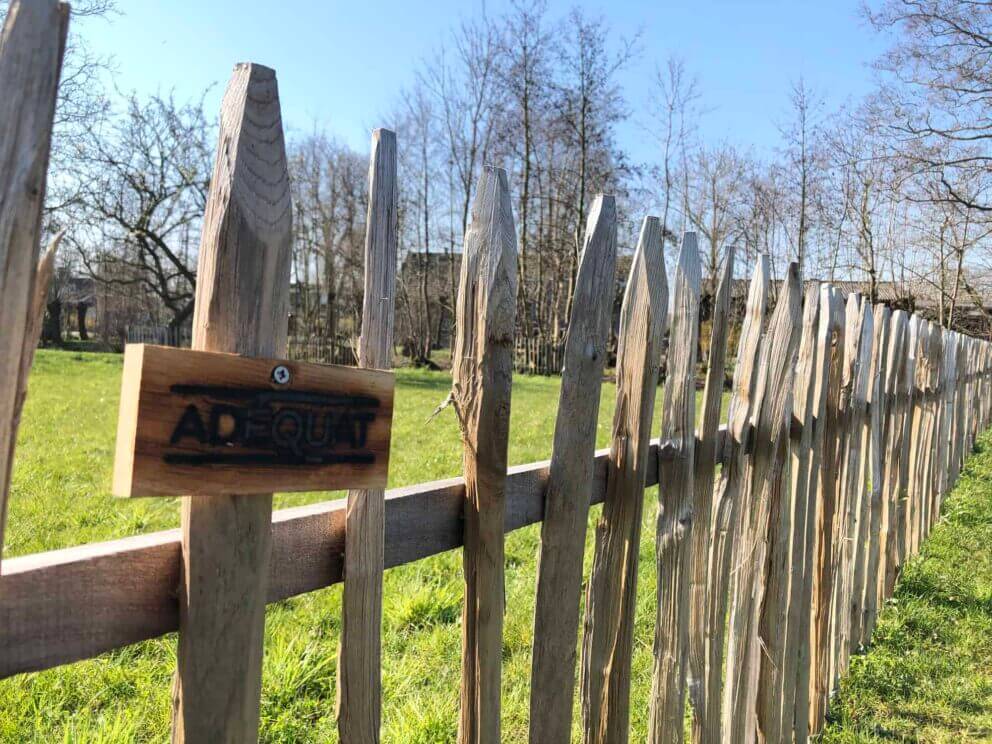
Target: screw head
280	374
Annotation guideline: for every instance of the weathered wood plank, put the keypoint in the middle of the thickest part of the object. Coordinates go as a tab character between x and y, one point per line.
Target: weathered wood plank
673	537
612	589
893	438
829	498
750	627
32	44
65	605
792	528
808	466
242	305
730	491
707	432
865	600
359	700
910	441
854	406
570	483
482	371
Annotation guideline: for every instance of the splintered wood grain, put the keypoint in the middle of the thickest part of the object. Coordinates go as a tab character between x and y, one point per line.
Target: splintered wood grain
676	495
242	304
829	497
807	464
917	434
895	391
791	526
910	440
865	600
730	491
570	482
482	369
771	420
854	408
32	44
703	493
359	687
612	588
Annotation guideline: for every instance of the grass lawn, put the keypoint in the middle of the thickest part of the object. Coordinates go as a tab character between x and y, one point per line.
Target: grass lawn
61	498
928	674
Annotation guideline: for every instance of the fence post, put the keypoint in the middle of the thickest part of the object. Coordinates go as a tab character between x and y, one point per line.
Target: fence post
728	497
482	373
569	489
791	525
241	307
895	367
704	472
360	650
764	477
612	590
865	599
32	44
821	392
675	518
858	332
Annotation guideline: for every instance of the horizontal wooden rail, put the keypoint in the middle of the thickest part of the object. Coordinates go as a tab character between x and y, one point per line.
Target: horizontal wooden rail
65	605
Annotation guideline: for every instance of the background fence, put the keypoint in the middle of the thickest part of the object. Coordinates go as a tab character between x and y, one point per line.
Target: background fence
847	426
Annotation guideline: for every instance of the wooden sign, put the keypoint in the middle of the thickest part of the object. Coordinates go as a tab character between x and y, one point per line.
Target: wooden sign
199	422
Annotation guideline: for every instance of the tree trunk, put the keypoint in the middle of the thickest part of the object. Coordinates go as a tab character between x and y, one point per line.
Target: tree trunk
51	332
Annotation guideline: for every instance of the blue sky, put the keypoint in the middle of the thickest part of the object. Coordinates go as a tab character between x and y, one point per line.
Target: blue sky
341	64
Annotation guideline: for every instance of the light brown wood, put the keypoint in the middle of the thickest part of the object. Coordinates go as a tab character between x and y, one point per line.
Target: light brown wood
209	424
64	605
891	500
570	483
482	368
910	440
854	404
730	491
917	434
359	700
707	432
865	600
807	468
673	536
612	589
750	628
32	44
791	528
61	606
830	481
242	305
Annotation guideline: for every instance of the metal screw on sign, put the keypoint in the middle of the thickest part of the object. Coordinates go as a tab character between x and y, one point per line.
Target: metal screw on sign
280	374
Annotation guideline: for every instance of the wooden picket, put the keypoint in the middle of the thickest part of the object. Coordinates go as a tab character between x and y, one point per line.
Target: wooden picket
848	425
673	537
570	483
359	664
612	589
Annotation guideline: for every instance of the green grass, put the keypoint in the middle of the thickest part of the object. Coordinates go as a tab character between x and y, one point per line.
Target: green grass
928	673
61	498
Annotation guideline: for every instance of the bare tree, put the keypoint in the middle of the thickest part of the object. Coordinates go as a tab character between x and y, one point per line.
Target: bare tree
938	94
142	190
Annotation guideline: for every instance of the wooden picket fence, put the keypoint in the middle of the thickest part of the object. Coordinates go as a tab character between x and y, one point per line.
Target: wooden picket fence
779	533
